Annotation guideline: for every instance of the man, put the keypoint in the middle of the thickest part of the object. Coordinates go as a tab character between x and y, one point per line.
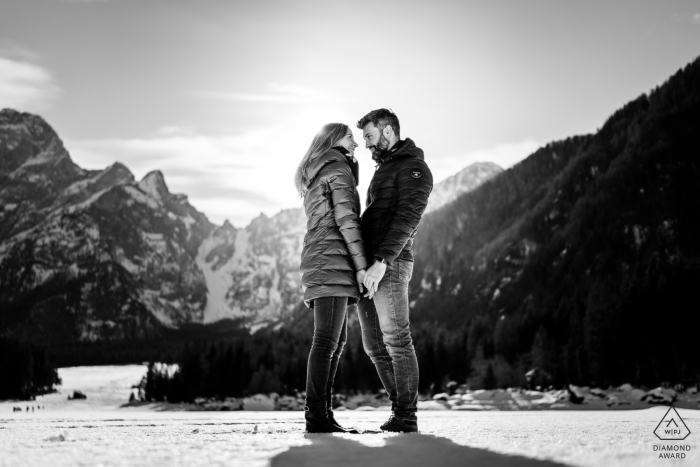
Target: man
396	198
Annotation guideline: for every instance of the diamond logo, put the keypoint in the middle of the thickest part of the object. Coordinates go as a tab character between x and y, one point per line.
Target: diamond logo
672	426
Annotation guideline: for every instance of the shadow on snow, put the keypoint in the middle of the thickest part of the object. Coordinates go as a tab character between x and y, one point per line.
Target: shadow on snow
404	450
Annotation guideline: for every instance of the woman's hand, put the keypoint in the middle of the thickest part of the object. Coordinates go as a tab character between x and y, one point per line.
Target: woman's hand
360	278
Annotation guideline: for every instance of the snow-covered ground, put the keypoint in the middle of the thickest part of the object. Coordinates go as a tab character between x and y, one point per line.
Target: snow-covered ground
130	437
97	431
106	388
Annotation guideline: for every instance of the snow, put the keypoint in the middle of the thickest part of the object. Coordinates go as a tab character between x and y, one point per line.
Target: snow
153	436
139	197
150	183
241	245
155	241
80	185
466	180
188	220
126	262
87	202
106	388
93	232
256	327
41	158
255	281
33	178
156	306
218	282
104	430
259	402
74	270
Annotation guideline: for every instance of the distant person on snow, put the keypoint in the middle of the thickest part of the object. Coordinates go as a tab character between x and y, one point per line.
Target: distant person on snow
332	261
396	199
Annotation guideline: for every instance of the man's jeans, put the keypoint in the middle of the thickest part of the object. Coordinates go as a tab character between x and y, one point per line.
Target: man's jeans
386	337
330	334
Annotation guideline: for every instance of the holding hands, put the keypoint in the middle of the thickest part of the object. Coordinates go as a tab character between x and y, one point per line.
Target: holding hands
360	275
373	277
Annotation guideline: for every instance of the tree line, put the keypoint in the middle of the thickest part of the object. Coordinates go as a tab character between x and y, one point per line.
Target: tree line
275	361
26	370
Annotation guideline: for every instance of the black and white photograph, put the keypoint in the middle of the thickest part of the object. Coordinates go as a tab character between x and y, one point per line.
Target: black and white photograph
406	233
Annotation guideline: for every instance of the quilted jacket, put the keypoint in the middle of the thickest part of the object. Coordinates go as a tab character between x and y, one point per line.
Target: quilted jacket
396	199
333	246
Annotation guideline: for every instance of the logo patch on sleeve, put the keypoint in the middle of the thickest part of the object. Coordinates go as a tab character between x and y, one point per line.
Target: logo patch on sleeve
416	174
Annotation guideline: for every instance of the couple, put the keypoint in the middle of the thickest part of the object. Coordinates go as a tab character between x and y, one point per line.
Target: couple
344	253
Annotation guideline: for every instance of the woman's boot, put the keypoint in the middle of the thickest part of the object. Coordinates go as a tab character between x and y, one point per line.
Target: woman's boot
351	430
317	420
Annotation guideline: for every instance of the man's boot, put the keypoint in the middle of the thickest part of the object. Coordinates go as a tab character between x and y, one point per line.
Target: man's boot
400	425
317	420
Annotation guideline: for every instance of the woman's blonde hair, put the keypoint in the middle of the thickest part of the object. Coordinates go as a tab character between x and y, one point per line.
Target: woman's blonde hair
330	134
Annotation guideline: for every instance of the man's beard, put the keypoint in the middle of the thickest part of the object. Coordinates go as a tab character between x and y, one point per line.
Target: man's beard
380	148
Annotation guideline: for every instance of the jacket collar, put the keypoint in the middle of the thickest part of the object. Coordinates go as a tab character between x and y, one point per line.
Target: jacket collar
402	148
335	154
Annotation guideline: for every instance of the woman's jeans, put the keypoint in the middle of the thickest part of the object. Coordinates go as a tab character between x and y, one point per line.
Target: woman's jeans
386	337
330	334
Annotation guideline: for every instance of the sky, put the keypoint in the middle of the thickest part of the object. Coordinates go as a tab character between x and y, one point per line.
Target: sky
224	97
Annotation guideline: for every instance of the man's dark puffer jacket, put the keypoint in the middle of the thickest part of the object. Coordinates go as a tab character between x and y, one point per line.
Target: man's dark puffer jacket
333	247
396	199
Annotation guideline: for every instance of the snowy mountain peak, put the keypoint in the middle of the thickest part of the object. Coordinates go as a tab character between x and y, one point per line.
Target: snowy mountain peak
227	226
466	180
118	172
37	126
261	219
154	185
29	141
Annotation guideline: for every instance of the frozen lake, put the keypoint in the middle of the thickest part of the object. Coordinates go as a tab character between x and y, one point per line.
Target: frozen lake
97	432
128	437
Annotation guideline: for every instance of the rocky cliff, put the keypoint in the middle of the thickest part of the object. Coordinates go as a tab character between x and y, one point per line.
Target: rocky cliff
90	255
96	254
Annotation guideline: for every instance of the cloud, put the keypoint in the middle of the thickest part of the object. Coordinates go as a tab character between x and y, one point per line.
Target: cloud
216	172
226	176
682	18
280	94
25	86
237	177
505	155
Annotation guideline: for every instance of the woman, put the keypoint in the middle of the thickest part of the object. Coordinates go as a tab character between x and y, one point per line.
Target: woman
332	261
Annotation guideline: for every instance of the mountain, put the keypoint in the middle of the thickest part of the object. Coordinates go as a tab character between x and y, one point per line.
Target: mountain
582	259
462	182
580	262
88	255
254	272
95	254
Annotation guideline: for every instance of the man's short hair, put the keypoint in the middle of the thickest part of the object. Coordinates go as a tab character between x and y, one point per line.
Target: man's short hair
381	118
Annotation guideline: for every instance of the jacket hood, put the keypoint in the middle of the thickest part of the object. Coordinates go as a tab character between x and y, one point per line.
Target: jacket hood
328	157
404	148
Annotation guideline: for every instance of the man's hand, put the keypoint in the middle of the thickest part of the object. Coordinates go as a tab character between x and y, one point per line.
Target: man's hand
360	277
373	277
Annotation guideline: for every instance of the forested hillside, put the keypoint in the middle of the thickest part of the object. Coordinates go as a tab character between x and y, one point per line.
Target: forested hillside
582	259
